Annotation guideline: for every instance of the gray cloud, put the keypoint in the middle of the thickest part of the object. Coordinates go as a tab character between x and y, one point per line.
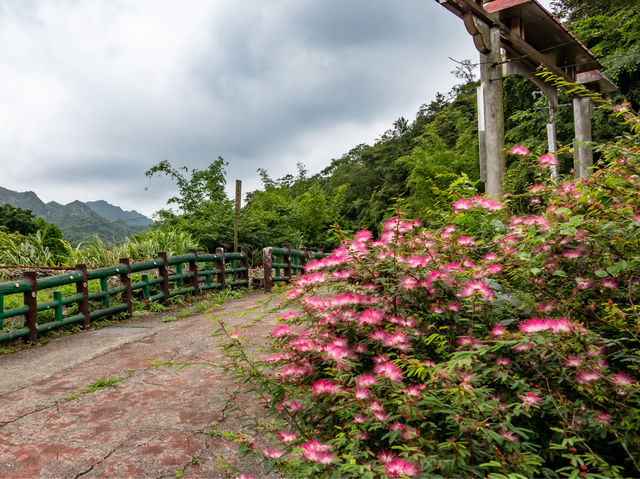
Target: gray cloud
96	92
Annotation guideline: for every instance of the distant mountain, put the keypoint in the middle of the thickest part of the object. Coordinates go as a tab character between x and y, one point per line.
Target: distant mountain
116	214
77	220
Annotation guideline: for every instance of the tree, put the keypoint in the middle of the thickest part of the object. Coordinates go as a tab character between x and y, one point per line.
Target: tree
207	213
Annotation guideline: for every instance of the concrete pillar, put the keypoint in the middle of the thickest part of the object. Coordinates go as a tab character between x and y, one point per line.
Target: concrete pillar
582	145
491	77
551	138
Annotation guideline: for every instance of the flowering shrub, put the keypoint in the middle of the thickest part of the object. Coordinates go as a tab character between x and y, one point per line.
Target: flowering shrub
492	346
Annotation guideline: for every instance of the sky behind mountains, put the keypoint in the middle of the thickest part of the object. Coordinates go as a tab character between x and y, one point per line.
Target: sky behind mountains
95	92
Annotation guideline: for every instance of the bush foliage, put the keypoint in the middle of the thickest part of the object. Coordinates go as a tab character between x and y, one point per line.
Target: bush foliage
490	345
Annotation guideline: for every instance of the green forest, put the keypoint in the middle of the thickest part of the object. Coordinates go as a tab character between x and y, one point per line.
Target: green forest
413	168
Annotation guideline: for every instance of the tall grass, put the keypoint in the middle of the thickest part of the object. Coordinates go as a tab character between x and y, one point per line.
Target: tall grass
17	250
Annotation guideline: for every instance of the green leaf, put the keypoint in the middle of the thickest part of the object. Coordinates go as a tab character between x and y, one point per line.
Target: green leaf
560	273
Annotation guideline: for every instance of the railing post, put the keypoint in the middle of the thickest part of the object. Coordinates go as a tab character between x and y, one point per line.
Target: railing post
31	302
267	259
125	280
222	277
303	259
193	268
82	287
57	297
163	271
287	261
245	264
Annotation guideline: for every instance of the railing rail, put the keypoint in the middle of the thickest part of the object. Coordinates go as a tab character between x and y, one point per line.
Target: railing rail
85	306
282	264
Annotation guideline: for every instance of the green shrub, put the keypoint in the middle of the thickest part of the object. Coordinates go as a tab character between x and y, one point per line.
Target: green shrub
490	346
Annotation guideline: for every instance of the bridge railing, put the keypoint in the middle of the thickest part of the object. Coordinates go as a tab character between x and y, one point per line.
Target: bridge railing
282	264
96	295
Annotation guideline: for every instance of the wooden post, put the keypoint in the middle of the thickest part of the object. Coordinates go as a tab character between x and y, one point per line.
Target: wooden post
31	302
287	261
163	271
491	77
582	146
235	222
245	264
82	287
222	277
193	269
125	280
267	259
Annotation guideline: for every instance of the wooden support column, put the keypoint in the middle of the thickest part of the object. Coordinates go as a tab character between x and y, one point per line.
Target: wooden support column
31	302
267	259
125	280
583	152
82	288
222	276
491	77
163	272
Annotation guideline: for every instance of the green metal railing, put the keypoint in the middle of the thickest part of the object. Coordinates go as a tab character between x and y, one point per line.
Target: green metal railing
224	270
282	264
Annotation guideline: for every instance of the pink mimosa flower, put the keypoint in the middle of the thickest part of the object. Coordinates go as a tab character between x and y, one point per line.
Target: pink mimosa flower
530	399
519	150
401	468
272	453
547	160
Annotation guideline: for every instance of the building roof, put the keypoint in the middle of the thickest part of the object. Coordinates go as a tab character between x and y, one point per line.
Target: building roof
545	33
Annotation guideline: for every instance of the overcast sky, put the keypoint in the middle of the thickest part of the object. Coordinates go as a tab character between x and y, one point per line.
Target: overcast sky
95	92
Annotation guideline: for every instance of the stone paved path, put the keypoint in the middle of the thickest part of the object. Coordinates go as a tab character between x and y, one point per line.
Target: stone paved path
152	424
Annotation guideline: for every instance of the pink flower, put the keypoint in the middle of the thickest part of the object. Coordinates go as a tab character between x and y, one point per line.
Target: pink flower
370	317
572	362
572	253
409	283
503	362
244	476
466	241
401	468
282	331
530	399
287	436
583	283
547	160
584	377
537	325
317	452
272	453
519	150
609	283
325	387
463	204
473	288
509	435
388	370
621	379
603	418
412	391
366	381
362	394
498	331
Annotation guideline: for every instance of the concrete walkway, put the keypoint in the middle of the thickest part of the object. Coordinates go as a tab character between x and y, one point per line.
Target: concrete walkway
157	422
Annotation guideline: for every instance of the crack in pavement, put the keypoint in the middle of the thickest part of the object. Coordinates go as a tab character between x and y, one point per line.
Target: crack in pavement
87	471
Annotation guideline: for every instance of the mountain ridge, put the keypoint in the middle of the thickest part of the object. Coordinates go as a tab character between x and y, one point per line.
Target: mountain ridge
78	220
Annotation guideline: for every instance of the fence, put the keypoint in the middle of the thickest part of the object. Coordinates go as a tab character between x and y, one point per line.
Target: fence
285	260
94	305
